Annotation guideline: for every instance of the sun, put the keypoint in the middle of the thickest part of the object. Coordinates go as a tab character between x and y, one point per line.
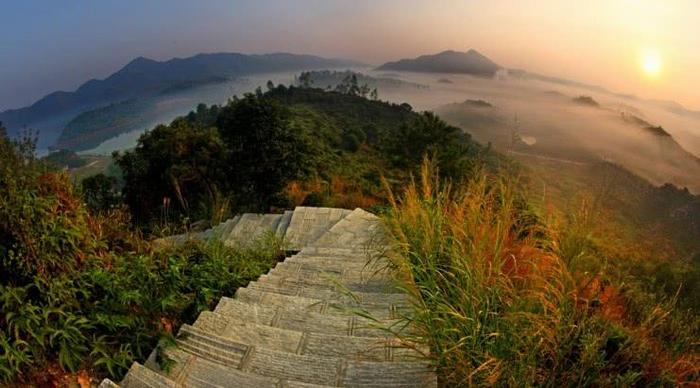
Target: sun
651	64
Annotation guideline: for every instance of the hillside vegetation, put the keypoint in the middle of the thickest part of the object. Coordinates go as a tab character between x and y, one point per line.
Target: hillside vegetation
81	290
285	147
504	298
505	291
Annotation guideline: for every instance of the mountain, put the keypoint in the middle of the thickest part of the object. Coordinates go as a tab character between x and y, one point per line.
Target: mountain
471	62
145	77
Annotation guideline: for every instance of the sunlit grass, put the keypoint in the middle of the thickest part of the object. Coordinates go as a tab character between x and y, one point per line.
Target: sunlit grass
502	298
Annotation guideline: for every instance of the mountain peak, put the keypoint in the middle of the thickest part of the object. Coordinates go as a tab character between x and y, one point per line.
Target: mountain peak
138	62
448	61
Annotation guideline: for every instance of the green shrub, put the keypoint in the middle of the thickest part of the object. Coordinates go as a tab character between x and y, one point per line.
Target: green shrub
100	192
83	290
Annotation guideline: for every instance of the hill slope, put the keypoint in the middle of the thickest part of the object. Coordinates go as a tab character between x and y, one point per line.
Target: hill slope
470	62
145	77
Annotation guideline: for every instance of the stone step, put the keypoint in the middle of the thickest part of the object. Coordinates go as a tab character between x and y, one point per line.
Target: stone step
107	383
332	295
329	277
378	311
326	371
301	320
357	229
141	377
337	251
251	227
294	367
284	224
248	333
338	267
371	285
210	348
223	229
217	232
331	260
193	371
308	224
411	374
292	341
326	316
338	264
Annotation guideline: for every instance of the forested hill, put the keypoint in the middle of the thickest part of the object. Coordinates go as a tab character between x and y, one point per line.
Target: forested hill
143	77
470	62
291	134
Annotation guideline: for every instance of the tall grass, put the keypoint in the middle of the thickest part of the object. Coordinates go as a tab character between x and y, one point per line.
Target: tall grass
496	303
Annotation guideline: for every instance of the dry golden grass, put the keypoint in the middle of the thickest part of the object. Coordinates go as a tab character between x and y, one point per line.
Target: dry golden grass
495	297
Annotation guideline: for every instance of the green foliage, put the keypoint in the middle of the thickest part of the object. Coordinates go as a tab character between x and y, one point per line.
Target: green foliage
173	171
100	192
243	153
263	150
429	135
84	291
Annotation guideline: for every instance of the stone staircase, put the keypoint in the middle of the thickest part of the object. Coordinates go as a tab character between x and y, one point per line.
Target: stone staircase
320	318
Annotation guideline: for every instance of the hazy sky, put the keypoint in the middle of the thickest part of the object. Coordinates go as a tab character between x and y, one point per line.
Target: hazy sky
48	45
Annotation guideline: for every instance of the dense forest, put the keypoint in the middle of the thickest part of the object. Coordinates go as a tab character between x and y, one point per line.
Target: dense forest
504	293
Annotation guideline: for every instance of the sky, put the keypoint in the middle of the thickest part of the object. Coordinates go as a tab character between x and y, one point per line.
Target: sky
643	47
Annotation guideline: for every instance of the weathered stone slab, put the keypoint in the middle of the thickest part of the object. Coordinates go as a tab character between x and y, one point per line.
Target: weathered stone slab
142	377
284	224
389	374
309	223
295	367
251	227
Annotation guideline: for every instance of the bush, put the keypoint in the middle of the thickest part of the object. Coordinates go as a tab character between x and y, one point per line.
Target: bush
188	171
84	291
175	171
499	306
264	152
100	192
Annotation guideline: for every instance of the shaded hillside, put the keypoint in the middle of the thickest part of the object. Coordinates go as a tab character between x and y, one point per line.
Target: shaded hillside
471	62
146	77
91	128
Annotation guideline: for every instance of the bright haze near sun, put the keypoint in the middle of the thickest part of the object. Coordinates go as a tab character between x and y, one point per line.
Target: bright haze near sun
642	47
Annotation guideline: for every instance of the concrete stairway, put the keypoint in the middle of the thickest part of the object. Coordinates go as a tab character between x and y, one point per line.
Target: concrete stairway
320	318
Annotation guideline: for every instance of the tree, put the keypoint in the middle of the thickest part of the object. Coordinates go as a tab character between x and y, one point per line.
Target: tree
429	135
364	90
374	95
270	85
176	169
354	88
263	152
3	131
100	192
305	80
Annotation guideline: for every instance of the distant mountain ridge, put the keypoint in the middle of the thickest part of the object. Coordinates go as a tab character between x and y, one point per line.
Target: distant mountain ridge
470	62
144	77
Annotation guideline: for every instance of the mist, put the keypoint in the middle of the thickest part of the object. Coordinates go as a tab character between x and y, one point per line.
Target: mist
543	119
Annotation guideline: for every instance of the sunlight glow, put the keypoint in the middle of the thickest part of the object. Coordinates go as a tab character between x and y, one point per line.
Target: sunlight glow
651	63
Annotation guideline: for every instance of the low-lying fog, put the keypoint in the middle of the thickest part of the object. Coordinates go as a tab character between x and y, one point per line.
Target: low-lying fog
542	118
524	116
